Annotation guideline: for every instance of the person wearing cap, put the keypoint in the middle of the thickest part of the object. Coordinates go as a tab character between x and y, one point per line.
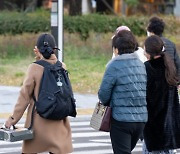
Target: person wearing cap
52	136
138	50
123	87
156	27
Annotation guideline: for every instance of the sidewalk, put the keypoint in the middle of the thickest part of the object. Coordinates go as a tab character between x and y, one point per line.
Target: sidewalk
8	96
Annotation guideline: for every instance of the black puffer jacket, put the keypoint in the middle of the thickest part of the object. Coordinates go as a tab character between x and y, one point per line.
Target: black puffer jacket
162	131
171	50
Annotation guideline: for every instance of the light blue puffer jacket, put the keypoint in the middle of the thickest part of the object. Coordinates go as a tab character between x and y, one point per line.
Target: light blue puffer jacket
124	86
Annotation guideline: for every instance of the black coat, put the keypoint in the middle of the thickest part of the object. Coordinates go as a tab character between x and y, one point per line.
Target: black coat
162	130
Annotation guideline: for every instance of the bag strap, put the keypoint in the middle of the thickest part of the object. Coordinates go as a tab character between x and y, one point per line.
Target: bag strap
45	63
42	63
108	104
32	117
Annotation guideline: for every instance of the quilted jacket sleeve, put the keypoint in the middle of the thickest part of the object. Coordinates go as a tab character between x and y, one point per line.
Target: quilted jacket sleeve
107	85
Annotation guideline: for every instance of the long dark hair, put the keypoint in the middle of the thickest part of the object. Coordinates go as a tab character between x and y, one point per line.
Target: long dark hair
154	46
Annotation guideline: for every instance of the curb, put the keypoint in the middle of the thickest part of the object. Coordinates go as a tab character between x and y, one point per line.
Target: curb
78	118
79	112
85	111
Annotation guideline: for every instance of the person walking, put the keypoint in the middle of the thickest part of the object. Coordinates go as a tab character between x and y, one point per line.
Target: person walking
156	27
124	88
162	131
52	136
138	50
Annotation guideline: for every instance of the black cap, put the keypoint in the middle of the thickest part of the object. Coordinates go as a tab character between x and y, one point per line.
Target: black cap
46	39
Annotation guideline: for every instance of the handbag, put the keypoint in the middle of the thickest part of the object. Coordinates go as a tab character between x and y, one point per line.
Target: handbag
18	134
101	117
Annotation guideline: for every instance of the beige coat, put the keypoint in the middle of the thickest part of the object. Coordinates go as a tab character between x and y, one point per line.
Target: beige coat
50	135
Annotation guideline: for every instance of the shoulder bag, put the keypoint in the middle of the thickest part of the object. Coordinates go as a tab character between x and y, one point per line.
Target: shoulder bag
101	117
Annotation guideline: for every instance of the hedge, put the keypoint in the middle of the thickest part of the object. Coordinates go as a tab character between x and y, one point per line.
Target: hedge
103	24
17	23
39	21
106	23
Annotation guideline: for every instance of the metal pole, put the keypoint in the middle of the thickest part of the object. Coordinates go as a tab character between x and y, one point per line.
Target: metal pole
60	30
54	21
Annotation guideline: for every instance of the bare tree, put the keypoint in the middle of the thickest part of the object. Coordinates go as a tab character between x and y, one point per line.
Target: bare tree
31	5
75	7
21	5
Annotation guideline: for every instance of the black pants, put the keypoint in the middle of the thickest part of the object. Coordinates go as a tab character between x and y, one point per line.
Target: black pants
124	135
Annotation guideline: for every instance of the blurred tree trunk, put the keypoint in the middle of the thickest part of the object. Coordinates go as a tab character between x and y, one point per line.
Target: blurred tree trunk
22	4
75	7
90	5
104	6
1	4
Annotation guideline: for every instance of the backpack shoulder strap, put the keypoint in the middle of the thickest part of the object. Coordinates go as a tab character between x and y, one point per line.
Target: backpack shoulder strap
58	63
45	63
42	63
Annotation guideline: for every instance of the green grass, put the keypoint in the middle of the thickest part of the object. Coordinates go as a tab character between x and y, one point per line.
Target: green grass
13	70
85	61
86	70
19	74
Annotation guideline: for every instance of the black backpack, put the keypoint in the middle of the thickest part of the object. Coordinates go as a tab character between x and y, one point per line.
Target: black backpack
55	99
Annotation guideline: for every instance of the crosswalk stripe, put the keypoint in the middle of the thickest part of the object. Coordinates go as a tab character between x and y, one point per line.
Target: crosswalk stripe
74	135
14	149
102	140
91	134
4	143
12	143
137	149
89	145
101	151
80	123
76	145
85	140
82	129
106	151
